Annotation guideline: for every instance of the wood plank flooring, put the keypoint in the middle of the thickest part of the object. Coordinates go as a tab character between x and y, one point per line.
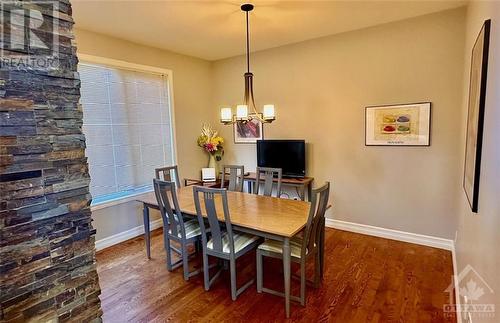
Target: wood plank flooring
367	279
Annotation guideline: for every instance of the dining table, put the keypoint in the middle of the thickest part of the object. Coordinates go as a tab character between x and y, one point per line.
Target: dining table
268	217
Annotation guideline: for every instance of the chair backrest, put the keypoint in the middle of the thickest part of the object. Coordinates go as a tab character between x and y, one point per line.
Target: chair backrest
269	175
319	203
235	179
166	195
167	173
214	226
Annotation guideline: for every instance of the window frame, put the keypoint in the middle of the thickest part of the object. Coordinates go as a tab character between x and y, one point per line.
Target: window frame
167	73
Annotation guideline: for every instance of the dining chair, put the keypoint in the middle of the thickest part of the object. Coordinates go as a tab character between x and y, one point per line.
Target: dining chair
227	244
302	248
235	177
175	228
166	173
269	175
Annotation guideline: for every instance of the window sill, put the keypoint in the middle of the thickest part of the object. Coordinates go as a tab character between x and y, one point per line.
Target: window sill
118	200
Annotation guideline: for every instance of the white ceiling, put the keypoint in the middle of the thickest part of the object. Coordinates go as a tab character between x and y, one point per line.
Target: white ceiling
216	29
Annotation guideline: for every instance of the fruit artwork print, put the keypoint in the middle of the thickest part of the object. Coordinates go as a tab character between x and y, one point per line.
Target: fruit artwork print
396	122
404	125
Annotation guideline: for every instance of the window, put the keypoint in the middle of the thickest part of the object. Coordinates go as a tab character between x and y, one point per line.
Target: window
127	125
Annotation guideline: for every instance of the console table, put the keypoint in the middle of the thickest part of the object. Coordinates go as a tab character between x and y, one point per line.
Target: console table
302	184
198	182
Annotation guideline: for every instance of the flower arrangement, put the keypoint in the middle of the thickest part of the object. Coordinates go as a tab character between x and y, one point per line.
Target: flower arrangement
211	142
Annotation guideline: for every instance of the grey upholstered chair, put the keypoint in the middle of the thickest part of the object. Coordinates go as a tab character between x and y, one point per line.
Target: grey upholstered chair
235	179
302	248
269	175
226	245
168	172
174	226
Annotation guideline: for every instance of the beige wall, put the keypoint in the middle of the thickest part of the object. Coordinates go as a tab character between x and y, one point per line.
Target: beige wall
192	104
478	237
320	88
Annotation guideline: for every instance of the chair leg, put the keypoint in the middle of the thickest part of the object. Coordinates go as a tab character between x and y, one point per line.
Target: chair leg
185	263
197	246
232	269
165	237
321	250
259	272
206	273
317	268
169	254
303	282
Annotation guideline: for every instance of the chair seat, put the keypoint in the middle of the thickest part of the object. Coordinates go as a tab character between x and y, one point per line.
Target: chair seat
241	240
277	246
192	229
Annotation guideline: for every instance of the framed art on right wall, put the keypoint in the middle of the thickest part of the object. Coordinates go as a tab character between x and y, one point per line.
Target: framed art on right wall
475	116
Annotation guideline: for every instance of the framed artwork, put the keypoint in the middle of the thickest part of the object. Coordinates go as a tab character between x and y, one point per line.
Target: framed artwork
248	132
475	116
398	125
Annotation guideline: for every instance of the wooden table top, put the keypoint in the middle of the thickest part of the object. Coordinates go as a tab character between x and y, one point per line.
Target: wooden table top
285	180
273	215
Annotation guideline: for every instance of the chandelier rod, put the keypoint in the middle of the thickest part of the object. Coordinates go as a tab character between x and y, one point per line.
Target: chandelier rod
248	44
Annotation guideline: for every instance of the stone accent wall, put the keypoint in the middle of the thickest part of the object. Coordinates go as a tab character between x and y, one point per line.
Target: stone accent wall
47	260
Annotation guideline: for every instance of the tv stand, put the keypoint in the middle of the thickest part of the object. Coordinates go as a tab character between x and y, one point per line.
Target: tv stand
302	183
292	177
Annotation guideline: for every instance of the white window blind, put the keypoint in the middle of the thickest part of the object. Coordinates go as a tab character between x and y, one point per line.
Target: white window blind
127	125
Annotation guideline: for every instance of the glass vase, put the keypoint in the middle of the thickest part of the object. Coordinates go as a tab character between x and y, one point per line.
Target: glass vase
212	163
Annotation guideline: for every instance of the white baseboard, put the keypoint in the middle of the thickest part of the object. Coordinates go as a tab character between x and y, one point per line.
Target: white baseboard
125	235
430	241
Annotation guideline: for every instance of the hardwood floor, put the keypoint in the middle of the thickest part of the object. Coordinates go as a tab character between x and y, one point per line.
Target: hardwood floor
367	279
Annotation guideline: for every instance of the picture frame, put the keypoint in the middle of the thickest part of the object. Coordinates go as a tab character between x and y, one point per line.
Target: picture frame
398	124
475	115
248	132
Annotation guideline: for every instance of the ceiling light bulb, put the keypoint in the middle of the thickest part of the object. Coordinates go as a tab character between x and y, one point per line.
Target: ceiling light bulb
269	112
226	115
241	112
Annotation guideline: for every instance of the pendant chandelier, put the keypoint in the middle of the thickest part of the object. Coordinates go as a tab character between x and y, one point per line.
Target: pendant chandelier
242	115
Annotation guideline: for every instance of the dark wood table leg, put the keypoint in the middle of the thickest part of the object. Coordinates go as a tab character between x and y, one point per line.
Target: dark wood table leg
286	274
249	187
309	191
147	231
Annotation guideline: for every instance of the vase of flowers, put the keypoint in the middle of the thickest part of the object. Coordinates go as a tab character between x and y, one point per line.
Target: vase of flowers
211	142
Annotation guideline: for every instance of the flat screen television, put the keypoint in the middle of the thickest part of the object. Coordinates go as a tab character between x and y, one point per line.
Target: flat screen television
289	155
